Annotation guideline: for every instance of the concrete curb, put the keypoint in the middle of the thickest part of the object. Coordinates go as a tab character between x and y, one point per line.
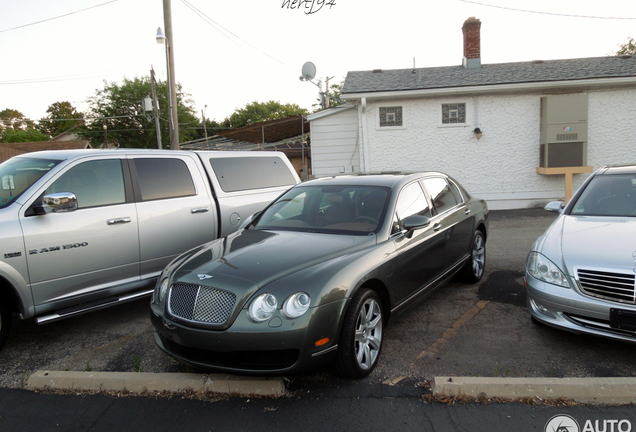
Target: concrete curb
138	382
586	390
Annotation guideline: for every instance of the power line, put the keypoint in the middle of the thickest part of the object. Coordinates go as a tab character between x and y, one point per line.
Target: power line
545	13
216	26
57	17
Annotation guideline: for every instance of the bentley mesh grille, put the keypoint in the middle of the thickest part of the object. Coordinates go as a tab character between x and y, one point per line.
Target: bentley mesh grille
606	285
200	303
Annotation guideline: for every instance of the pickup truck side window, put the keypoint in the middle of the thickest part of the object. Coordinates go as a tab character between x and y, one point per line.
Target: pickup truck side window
94	183
161	178
234	173
18	174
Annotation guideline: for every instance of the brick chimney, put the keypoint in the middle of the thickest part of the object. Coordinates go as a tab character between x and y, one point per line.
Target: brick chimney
472	43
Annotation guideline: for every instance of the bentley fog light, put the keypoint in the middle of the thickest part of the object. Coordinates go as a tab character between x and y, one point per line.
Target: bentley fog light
296	305
545	270
263	307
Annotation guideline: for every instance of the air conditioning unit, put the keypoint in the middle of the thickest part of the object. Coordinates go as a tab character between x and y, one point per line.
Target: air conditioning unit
563	131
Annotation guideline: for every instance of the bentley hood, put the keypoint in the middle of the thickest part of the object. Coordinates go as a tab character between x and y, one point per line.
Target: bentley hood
260	257
598	242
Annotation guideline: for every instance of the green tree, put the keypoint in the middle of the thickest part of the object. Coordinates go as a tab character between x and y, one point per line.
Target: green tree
257	112
61	117
628	48
15	120
119	107
28	135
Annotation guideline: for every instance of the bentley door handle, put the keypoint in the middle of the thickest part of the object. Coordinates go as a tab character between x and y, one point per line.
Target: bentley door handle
437	227
122	220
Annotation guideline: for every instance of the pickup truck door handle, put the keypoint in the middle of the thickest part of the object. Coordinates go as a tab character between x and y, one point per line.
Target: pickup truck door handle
437	227
199	210
122	220
467	211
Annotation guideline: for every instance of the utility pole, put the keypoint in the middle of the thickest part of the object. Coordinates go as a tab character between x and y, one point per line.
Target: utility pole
155	107
327	100
205	129
172	80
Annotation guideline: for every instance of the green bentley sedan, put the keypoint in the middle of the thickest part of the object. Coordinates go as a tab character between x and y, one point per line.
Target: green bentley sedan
316	276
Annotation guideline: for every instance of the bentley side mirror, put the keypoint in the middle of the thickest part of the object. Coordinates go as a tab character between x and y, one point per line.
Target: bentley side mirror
555	206
414	222
249	220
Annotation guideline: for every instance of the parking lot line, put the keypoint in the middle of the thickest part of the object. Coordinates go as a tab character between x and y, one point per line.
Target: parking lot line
451	332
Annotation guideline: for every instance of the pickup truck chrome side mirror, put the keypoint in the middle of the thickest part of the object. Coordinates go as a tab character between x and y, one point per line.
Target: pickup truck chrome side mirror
59	202
555	206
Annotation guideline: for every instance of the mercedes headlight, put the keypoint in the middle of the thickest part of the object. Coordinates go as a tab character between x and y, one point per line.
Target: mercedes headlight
263	307
539	267
296	305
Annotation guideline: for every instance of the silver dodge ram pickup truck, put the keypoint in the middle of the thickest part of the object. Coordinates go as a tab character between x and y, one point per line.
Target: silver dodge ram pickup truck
87	229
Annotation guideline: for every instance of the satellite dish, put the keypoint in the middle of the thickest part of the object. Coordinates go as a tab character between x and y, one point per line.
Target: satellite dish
309	71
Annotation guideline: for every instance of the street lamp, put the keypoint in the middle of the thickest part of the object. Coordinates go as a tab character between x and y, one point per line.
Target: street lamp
172	91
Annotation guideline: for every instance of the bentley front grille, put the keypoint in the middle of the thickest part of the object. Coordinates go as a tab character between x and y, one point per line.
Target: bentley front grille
617	287
200	303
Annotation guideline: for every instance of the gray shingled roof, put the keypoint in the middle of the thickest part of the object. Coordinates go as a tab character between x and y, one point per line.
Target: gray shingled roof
489	74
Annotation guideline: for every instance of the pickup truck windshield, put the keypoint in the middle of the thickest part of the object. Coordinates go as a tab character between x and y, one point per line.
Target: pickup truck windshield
17	174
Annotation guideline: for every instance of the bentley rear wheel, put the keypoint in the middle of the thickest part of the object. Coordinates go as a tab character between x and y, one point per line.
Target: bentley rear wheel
474	268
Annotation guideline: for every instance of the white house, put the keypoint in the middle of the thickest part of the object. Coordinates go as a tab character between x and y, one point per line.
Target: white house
512	133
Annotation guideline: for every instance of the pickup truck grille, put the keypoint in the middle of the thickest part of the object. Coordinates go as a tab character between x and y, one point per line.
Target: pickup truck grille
617	287
200	303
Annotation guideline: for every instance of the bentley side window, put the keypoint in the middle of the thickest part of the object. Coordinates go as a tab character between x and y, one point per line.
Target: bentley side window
411	201
441	194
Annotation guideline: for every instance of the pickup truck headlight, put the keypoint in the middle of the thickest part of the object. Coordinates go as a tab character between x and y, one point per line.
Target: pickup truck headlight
296	305
263	307
539	267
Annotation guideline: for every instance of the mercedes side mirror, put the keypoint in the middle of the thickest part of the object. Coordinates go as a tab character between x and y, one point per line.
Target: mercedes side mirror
555	206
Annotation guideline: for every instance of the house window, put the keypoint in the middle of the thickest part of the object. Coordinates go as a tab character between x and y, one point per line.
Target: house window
454	113
391	116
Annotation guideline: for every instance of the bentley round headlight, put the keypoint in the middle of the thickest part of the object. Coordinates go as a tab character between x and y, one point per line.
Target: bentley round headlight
163	290
296	305
263	307
539	267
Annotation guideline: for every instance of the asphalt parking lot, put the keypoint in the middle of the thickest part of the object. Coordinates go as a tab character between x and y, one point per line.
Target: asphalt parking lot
463	330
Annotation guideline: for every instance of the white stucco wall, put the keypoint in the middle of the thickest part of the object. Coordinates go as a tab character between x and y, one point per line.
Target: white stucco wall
501	166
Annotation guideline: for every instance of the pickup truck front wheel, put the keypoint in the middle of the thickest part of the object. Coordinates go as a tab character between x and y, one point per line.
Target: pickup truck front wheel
5	321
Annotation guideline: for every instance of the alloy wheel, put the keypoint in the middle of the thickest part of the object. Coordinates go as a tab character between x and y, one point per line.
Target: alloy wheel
368	334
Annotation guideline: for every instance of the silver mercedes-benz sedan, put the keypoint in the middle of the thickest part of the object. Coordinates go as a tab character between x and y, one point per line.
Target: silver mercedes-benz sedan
581	272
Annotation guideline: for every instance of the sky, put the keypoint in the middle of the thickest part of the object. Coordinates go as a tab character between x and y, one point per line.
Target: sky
231	53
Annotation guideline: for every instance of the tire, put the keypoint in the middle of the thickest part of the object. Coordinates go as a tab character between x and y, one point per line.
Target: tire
473	270
5	321
361	337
